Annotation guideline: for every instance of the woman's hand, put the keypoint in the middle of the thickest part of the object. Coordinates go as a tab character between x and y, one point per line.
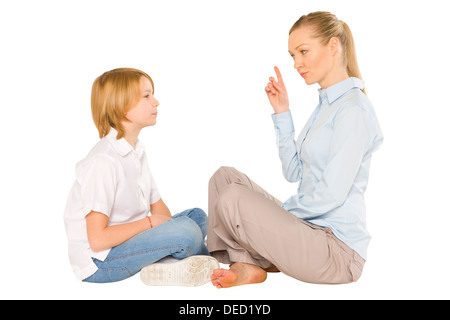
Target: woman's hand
277	94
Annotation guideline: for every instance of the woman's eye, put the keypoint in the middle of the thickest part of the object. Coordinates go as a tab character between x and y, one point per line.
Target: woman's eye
303	51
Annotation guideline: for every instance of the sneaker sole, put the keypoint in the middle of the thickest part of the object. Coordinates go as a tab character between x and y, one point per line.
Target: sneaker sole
190	272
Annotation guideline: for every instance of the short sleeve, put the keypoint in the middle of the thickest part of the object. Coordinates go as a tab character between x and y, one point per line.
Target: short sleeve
98	184
154	192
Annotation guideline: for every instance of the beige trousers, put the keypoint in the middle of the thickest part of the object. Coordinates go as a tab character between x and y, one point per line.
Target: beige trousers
246	224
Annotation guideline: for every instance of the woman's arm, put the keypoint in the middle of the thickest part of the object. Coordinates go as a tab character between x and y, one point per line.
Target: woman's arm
287	147
102	237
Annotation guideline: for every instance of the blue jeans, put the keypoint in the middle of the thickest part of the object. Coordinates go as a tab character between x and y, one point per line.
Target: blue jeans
181	237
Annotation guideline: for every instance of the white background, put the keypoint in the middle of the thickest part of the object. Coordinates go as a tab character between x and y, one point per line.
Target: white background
210	61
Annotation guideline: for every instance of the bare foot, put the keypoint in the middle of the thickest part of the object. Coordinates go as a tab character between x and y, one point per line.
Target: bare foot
240	273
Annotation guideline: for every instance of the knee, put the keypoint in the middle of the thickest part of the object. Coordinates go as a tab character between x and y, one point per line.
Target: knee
230	196
189	236
224	169
200	218
198	215
220	173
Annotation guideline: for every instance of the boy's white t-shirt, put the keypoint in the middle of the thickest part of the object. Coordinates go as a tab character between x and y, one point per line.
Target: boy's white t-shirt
113	179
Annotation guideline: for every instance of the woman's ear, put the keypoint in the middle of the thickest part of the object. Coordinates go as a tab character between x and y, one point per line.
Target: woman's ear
334	45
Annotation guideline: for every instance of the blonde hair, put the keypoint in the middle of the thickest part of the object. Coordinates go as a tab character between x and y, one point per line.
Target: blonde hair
113	94
327	26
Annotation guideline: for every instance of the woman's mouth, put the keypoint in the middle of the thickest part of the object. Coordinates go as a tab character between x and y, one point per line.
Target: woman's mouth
303	74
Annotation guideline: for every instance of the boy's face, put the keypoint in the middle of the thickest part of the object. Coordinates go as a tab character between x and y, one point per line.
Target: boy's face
144	113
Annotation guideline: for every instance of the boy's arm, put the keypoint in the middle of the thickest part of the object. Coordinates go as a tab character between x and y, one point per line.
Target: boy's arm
102	237
160	208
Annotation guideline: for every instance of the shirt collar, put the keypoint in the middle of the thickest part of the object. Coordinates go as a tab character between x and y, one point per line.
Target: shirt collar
122	146
339	89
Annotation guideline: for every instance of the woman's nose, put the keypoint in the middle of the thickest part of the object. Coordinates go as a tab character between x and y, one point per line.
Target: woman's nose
298	63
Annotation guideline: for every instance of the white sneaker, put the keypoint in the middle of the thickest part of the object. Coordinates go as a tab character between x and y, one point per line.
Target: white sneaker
190	272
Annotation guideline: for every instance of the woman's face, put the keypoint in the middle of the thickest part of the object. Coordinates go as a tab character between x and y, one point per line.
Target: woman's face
145	112
313	60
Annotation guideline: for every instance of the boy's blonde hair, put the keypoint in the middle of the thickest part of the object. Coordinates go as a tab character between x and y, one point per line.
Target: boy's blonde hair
113	94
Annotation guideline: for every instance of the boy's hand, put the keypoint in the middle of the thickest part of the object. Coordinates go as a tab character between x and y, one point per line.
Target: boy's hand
158	219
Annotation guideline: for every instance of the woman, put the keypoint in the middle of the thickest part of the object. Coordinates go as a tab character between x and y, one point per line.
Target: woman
110	234
318	235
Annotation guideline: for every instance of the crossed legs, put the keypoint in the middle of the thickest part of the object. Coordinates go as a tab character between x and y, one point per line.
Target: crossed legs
248	228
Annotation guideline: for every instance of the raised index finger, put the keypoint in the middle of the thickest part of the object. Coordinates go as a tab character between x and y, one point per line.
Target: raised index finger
279	77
